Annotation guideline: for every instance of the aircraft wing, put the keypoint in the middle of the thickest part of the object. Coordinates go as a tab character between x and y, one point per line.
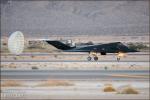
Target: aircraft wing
104	48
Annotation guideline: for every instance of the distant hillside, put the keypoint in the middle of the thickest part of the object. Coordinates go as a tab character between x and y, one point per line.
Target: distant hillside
44	18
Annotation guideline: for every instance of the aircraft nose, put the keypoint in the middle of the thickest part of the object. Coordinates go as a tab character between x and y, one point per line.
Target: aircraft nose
136	51
127	49
132	50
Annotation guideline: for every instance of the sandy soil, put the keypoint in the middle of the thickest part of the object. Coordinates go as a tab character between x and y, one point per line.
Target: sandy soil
80	89
102	39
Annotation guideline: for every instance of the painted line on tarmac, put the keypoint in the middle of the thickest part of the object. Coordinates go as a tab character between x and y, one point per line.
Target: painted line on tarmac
133	76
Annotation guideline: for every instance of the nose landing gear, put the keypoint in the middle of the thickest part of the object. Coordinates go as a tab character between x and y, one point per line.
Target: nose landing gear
118	59
119	55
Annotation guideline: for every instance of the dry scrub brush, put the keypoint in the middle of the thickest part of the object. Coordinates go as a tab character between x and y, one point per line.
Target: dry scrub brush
55	83
11	83
127	90
109	88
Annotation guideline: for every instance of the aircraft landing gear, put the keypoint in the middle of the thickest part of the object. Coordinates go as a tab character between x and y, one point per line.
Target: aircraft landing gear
118	59
119	55
96	58
94	55
89	58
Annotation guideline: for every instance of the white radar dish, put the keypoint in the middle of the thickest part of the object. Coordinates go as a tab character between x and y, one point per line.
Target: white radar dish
16	43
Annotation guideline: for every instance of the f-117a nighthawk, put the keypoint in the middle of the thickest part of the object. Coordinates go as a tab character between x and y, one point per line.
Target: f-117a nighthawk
93	49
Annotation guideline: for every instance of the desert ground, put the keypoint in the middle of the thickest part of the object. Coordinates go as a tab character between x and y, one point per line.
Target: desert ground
77	89
51	74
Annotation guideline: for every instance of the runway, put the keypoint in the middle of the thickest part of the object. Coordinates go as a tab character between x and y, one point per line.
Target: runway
74	54
75	74
103	61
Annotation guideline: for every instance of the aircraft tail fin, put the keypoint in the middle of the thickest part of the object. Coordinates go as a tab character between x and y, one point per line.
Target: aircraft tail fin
59	45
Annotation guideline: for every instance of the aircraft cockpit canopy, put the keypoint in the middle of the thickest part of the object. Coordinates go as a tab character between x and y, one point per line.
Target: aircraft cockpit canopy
70	43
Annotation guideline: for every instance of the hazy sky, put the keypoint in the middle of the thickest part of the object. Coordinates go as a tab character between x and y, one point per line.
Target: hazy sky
43	18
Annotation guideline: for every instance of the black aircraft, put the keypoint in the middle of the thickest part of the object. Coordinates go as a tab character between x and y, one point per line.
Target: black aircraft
93	49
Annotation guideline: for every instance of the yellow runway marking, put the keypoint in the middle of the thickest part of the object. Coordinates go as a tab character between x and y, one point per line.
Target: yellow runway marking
131	76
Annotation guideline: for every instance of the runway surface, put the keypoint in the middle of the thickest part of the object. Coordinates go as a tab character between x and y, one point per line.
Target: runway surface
74	54
75	74
71	61
103	61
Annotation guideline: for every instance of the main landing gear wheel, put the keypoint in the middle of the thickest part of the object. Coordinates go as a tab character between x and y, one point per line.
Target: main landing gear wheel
93	55
89	58
118	59
96	58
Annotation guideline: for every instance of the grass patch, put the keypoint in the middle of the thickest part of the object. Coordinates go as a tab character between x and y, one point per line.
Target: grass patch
109	88
55	83
127	90
11	83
